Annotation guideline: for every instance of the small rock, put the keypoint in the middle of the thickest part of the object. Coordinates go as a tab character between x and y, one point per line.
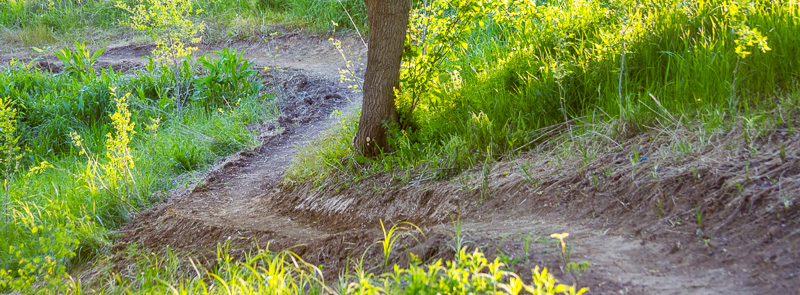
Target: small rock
675	248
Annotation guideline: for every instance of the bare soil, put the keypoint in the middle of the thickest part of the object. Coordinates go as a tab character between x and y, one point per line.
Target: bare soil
635	219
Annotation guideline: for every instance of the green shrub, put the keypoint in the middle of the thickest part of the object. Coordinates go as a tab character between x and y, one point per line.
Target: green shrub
225	79
60	214
78	64
533	66
54	105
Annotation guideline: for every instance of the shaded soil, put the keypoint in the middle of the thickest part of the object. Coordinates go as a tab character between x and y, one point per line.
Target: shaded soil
721	218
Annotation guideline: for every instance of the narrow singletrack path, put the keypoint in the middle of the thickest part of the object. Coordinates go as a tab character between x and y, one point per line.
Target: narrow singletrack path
225	206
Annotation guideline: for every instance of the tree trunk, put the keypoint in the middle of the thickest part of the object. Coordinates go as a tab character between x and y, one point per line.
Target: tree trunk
388	22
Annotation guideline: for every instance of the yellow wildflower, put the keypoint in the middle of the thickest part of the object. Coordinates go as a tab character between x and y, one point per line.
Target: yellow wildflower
561	238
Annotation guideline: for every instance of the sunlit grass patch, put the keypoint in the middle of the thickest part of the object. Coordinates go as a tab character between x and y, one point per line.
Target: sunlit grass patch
36	35
529	72
94	147
328	152
267	272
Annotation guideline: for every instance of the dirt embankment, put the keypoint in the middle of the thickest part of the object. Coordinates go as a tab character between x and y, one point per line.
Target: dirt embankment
719	219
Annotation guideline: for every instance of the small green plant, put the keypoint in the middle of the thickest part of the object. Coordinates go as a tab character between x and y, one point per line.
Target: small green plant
459	241
168	23
526	245
10	152
577	269
654	173
707	243
78	64
699	217
391	236
120	165
660	207
635	156
782	151
573	268
115	173
527	176
227	77
587	154
507	260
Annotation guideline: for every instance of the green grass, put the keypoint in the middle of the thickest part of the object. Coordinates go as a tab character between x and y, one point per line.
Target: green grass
51	23
526	69
309	14
48	22
333	152
266	272
63	217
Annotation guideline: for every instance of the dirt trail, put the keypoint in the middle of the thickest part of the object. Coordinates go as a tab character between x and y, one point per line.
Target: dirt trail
619	264
304	71
241	201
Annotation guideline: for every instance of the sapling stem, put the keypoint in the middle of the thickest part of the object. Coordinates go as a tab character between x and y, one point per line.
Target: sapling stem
619	83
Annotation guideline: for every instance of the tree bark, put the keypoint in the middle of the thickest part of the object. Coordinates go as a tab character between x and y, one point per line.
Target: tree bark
388	22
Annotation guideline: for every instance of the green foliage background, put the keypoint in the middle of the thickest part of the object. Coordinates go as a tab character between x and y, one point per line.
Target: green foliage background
530	66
